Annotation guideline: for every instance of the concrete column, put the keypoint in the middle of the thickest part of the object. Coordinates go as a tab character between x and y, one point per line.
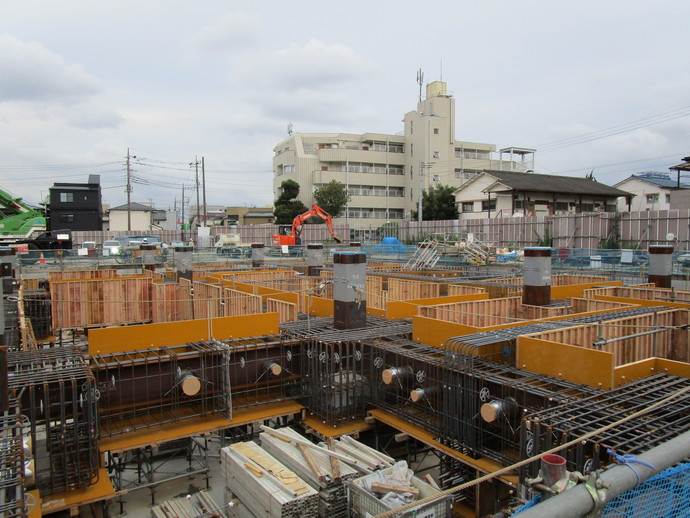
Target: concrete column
314	259
660	265
148	256
183	262
349	290
537	273
257	255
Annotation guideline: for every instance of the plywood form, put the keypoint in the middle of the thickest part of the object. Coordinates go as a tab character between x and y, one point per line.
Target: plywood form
171	302
585	305
287	311
98	302
237	303
81	274
643	293
460	289
406	289
476	313
264	485
528	312
671	343
256	275
208	299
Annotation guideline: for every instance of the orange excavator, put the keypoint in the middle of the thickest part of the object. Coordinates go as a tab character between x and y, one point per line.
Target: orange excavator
290	235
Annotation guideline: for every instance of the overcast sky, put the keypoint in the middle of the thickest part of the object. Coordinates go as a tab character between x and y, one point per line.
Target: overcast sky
593	85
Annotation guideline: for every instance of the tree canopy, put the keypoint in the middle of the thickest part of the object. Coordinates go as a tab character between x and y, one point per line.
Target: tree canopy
332	197
286	207
438	203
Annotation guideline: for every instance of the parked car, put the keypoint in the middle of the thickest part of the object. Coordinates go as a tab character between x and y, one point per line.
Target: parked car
111	247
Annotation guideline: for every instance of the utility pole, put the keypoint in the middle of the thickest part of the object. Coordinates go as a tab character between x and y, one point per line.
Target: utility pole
196	176
129	193
182	218
203	182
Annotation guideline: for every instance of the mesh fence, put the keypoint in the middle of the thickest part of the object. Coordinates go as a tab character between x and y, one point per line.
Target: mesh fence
664	495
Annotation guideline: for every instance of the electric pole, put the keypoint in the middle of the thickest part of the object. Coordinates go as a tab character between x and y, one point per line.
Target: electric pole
182	218
196	168
129	193
203	183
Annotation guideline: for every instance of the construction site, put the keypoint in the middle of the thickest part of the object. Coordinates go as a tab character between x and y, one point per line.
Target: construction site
337	384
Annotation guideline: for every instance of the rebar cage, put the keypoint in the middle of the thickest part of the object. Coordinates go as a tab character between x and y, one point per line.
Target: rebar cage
56	391
15	469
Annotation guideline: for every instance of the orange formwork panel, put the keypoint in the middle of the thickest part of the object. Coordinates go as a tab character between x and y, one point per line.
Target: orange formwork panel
111	340
72	500
326	431
198	425
577	364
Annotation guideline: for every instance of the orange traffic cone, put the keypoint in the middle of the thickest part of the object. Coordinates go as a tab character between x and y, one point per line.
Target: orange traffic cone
42	260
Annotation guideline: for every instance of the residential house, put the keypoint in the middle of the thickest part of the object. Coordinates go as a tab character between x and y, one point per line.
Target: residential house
496	194
140	217
652	191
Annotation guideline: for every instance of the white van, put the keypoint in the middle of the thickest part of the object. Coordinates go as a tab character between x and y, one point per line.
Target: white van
111	247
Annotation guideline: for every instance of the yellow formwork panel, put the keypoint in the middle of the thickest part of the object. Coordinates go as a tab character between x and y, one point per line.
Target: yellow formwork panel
569	291
408	308
317	426
36	510
320	307
131	338
430	331
72	500
643	368
569	362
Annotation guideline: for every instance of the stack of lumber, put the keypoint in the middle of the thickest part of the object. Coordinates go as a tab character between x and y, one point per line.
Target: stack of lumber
191	506
323	472
265	486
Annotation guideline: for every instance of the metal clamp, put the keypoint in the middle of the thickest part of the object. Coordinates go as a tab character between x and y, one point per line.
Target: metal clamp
597	489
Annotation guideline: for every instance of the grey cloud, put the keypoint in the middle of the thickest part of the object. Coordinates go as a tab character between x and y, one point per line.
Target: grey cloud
230	31
31	72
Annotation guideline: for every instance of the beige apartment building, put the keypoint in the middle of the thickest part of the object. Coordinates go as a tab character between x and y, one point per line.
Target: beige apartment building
385	174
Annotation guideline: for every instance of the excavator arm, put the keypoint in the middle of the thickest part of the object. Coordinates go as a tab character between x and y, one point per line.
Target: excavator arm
298	222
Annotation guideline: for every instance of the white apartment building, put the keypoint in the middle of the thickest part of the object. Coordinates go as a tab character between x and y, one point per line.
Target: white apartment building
386	174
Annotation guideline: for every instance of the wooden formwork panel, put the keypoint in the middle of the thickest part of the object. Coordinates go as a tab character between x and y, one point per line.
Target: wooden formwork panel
669	342
565	279
287	311
528	312
476	313
406	289
171	302
247	276
607	291
459	289
208	300
30	284
237	303
98	302
585	305
377	299
81	274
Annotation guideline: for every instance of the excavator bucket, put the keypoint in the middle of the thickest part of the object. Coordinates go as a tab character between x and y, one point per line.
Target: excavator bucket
337	238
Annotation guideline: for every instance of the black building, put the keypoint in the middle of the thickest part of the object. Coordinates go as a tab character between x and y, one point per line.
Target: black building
76	206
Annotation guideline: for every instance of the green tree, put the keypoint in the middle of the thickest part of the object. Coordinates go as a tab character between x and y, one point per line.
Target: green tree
332	197
286	207
438	203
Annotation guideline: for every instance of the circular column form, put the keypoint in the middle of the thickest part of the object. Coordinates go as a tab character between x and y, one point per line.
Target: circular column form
314	259
183	261
257	255
148	256
660	265
536	290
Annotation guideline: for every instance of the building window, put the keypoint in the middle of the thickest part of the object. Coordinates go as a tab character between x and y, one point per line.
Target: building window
587	207
668	198
66	218
560	206
488	205
435	131
468	206
436	154
411	149
653	198
66	197
611	208
288	169
411	127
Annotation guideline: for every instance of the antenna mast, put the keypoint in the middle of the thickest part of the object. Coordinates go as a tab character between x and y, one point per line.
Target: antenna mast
420	80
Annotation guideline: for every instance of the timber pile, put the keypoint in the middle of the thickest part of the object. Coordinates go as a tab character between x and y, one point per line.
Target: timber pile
191	506
327	475
264	485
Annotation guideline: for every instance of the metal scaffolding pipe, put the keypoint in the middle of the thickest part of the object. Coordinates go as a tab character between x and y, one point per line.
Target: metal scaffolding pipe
620	478
605	341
